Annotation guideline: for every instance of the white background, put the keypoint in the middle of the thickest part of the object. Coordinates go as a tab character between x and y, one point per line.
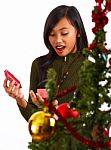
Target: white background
21	41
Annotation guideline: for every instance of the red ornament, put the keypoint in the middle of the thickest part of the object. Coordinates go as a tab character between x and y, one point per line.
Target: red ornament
74	114
64	110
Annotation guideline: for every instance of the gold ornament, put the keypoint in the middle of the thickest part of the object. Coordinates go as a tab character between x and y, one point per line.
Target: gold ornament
42	125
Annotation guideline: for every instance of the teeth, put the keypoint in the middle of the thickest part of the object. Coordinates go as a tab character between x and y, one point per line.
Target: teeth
59	47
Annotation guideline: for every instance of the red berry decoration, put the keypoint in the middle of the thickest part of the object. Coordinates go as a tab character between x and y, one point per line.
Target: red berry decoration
74	114
64	110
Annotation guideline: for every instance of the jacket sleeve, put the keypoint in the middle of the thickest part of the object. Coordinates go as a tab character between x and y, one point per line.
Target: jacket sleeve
34	80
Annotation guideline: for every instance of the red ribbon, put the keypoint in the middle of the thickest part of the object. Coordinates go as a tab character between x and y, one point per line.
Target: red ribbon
72	88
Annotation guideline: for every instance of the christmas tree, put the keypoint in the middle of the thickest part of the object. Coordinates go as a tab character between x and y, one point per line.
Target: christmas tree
91	130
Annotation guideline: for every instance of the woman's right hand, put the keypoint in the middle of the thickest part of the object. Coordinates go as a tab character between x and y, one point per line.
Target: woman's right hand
15	92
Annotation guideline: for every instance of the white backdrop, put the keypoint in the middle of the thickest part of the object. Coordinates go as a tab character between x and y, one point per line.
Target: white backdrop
21	41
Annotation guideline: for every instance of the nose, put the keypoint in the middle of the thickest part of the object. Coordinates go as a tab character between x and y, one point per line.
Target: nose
58	39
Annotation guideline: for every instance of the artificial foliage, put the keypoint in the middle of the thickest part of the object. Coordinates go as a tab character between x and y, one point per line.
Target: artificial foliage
51	84
94	89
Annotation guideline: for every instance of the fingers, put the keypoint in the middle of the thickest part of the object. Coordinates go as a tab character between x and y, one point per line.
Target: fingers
12	90
5	83
33	97
37	99
16	92
9	89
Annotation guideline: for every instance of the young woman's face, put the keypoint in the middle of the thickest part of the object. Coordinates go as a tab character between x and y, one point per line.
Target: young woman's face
63	38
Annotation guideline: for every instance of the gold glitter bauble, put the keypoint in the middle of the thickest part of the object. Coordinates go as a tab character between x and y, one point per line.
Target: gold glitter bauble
42	126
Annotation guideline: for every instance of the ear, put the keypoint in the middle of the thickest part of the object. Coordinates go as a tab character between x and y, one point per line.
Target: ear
78	33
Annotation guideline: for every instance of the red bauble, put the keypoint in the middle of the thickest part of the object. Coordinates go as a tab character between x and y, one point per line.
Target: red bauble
64	110
74	114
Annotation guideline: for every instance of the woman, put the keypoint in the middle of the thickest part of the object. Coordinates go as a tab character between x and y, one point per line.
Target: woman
65	37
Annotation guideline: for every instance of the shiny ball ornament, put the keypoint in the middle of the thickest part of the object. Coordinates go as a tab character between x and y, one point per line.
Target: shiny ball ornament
42	126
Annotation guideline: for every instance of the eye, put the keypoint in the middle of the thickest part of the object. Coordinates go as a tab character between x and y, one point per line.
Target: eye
64	33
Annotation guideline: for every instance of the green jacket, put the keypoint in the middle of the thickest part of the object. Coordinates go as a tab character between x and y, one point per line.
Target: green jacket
72	63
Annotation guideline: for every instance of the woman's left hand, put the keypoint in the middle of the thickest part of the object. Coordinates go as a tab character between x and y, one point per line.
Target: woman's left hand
37	99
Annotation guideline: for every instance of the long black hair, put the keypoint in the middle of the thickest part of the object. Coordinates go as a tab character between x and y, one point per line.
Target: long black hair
72	14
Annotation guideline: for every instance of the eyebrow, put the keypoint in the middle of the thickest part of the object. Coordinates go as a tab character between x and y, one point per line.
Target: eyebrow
63	28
